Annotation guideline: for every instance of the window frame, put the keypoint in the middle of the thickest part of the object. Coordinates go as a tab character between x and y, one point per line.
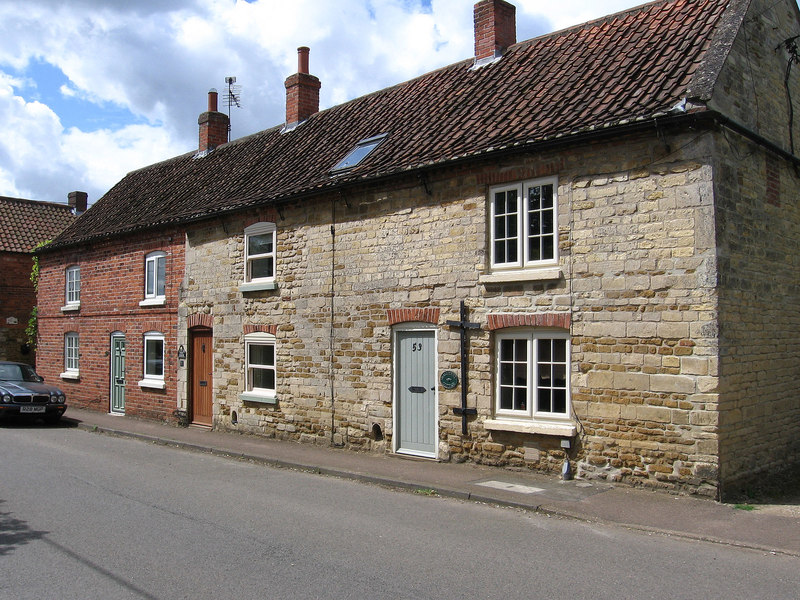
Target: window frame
251	392
72	286
71	355
359	153
257	283
153	380
533	365
153	259
523	260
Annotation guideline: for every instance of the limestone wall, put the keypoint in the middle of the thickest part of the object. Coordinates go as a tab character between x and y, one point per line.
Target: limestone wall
637	285
759	238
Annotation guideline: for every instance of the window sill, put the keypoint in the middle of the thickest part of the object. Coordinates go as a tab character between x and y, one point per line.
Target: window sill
537	427
257	287
540	274
260	398
153	302
155	384
74	375
71	307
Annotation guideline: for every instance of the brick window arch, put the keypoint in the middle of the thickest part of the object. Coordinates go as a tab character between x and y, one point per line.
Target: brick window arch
503	321
270	329
199	320
407	315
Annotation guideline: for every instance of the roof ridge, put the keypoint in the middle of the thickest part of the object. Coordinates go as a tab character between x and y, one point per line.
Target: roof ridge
35	202
599	20
520	44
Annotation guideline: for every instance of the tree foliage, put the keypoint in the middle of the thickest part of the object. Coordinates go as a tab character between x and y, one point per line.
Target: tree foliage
32	330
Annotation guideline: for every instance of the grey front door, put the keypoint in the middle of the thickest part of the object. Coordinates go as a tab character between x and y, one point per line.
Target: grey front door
117	373
415	369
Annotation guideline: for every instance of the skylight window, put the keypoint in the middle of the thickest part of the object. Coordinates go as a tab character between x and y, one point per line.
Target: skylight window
359	153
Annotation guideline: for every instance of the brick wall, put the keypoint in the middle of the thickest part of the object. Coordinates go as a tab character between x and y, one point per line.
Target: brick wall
17	299
112	285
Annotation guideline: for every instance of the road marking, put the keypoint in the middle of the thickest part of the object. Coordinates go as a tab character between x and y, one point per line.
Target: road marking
512	487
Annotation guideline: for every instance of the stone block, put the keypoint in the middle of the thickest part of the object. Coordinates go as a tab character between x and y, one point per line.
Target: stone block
603	329
694	366
632	381
677	384
600	379
706	385
641	329
532	454
704	418
657	414
677	330
604	410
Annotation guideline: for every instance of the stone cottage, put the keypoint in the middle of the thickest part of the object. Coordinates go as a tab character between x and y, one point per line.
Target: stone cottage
23	225
577	247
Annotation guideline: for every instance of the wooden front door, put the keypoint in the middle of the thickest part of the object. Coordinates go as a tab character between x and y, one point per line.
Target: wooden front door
415	392
202	361
117	373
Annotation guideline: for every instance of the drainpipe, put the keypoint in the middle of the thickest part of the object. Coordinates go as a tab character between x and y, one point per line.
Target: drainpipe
332	329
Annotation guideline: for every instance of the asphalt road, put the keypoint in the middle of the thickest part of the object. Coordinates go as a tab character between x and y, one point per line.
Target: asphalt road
89	516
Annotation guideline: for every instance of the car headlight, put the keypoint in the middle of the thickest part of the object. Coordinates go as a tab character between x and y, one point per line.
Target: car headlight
57	398
7	398
62	398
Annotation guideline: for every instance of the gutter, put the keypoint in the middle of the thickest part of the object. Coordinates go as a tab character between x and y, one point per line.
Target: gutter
746	132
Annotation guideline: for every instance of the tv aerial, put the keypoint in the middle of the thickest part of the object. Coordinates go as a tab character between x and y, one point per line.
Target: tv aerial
234	98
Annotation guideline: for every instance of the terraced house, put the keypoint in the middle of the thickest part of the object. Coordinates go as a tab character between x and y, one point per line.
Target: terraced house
578	247
23	225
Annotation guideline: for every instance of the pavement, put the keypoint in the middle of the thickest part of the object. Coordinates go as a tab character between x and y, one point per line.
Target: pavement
774	529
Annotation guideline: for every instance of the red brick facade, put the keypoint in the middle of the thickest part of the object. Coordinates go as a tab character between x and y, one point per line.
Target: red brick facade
17	301
112	288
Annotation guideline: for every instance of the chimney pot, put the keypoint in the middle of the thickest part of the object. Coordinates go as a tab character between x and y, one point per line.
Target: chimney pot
302	59
212	100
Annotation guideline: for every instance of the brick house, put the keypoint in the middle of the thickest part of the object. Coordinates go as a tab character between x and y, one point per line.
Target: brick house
578	247
23	225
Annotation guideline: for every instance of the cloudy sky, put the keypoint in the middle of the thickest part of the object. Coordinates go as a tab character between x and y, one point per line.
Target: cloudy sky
92	89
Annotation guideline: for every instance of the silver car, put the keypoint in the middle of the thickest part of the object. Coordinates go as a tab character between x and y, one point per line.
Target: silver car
23	392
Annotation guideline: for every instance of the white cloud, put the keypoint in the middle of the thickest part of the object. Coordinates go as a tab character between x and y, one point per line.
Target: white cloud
39	159
115	153
565	13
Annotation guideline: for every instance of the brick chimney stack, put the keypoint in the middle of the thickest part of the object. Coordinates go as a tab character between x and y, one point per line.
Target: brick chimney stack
495	28
78	201
302	91
213	125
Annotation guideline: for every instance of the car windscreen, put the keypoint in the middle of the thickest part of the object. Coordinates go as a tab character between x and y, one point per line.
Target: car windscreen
17	373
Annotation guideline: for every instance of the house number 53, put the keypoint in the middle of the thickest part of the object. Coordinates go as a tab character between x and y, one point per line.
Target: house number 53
416	347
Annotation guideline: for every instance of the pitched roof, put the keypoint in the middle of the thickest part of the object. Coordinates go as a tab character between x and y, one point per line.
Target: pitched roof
25	223
626	67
